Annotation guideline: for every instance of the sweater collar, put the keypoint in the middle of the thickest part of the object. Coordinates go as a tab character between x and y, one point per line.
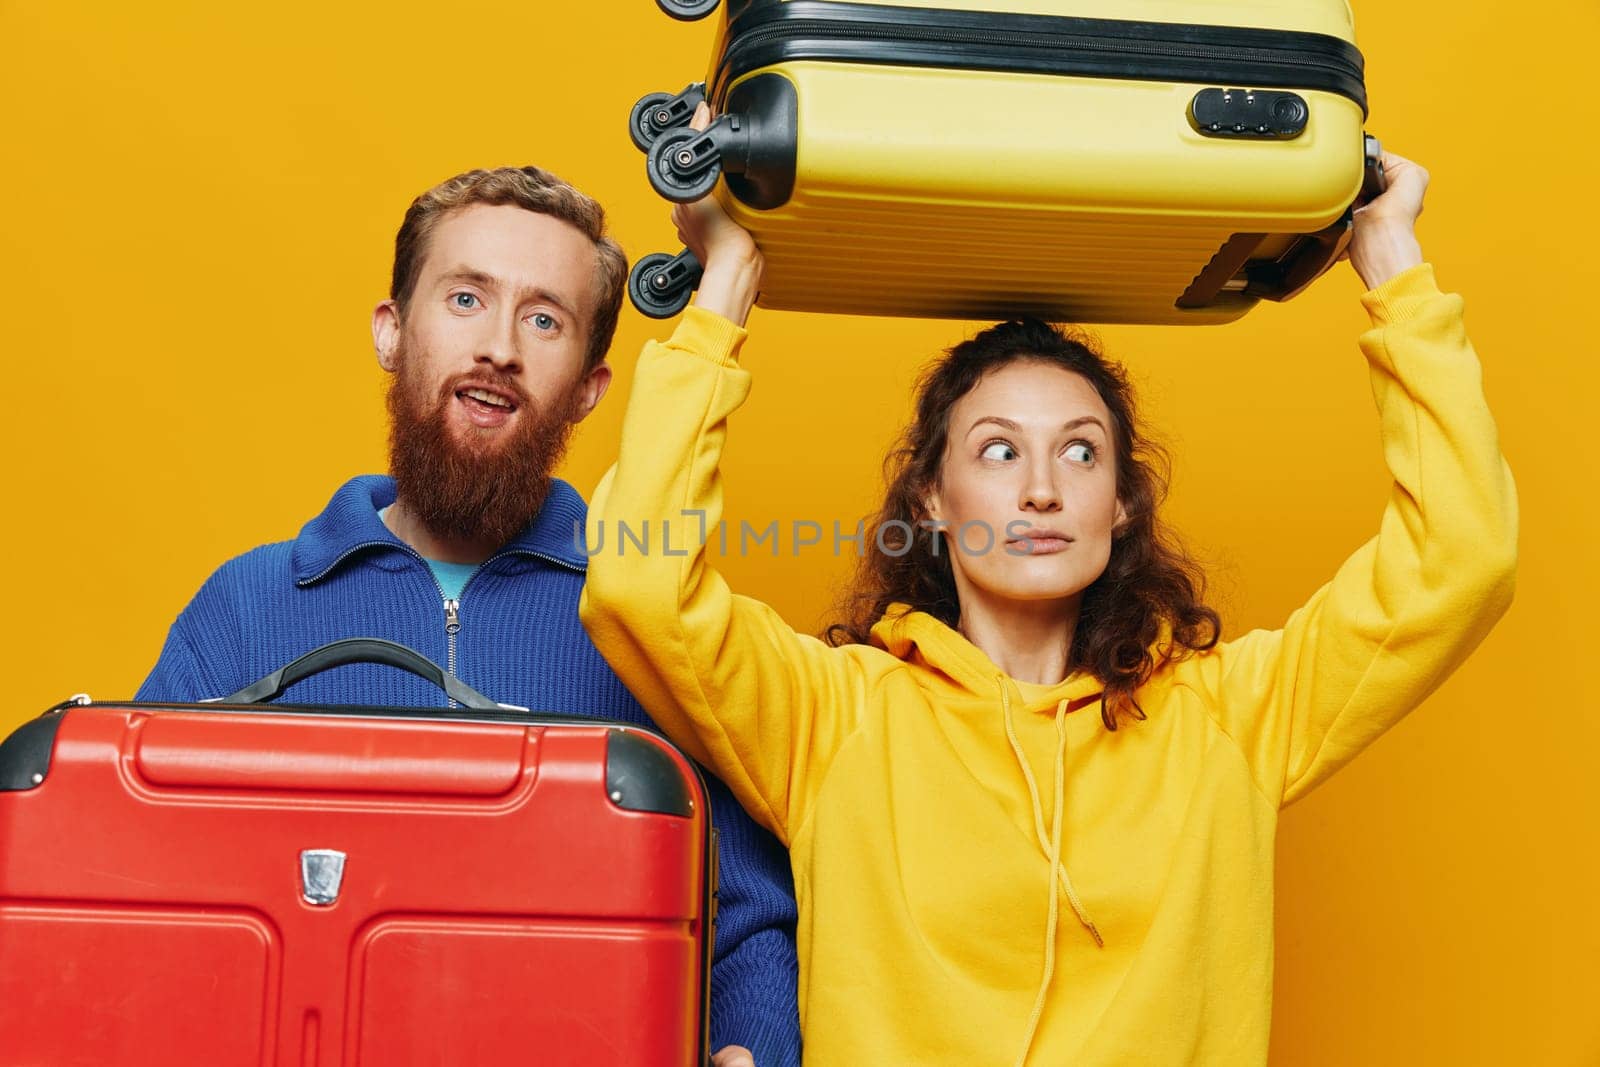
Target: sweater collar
350	524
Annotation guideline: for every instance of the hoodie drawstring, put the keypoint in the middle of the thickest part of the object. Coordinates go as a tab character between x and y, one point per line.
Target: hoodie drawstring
1052	847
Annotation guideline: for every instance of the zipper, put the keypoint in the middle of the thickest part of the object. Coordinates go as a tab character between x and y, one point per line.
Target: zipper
1075	42
536	555
452	626
1050	44
452	606
452	622
352	550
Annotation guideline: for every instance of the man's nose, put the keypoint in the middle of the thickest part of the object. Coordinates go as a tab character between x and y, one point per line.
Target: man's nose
497	347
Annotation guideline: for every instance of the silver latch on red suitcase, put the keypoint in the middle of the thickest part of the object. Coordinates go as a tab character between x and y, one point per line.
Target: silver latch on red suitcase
321	875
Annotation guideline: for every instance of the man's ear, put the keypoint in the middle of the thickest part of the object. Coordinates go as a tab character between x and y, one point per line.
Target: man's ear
594	386
386	335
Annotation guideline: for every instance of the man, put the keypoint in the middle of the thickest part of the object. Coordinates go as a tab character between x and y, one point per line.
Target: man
503	303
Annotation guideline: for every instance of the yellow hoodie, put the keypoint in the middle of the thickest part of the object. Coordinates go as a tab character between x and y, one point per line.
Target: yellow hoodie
934	807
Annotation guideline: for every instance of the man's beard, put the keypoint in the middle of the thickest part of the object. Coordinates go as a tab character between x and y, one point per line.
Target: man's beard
476	488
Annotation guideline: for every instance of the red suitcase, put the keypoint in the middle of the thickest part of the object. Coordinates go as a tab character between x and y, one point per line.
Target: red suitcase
221	884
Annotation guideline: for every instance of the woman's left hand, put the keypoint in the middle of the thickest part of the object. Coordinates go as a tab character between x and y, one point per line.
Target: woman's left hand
732	263
1385	238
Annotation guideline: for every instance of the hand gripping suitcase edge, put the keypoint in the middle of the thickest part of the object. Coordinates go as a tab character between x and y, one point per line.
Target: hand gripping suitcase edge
165	878
951	163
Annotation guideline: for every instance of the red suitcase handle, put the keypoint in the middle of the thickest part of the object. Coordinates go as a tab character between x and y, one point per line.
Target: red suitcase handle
363	650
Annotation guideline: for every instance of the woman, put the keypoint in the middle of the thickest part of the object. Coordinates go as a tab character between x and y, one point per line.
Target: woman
1031	809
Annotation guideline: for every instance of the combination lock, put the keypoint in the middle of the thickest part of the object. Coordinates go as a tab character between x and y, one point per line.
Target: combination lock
1252	114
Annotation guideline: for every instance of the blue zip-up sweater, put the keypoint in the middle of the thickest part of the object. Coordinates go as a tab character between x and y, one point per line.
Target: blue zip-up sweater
513	635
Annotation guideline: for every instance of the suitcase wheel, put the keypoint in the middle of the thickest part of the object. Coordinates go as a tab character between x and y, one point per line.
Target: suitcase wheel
661	284
687	10
656	113
684	164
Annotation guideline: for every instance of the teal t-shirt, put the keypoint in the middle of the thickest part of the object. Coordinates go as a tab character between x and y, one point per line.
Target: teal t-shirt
452	577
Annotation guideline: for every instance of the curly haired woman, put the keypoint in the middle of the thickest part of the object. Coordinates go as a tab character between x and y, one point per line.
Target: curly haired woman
1029	793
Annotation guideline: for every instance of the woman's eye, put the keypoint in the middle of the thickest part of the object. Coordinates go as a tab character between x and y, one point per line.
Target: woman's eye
1080	452
998	451
541	321
464	301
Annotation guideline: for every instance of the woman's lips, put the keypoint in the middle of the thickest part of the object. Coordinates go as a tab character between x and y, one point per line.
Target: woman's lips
1039	542
1041	546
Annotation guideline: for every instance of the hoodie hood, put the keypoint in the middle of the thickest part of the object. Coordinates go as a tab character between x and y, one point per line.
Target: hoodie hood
915	637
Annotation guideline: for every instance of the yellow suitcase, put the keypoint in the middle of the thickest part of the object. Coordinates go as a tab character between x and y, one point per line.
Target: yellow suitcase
1175	163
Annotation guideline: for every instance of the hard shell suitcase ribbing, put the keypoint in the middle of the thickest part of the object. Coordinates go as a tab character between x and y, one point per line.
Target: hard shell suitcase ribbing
221	885
1159	161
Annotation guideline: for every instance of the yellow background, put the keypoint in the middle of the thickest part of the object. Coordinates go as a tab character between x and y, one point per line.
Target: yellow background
197	204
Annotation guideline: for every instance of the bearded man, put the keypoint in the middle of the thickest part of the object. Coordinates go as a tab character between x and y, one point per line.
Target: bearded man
501	309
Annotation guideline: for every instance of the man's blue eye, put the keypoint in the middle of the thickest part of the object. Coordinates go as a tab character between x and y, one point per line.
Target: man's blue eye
544	322
464	300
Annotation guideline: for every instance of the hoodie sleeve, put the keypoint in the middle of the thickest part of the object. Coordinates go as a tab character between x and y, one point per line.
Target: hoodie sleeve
761	705
1409	606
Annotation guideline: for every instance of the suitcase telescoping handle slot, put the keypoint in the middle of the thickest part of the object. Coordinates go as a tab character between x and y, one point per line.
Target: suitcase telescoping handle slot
1316	253
1308	258
363	650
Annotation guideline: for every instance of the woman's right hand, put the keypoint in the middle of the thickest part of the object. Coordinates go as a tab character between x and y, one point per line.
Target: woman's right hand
1385	238
726	251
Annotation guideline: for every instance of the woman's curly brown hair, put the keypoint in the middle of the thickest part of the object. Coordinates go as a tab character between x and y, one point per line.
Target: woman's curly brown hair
1150	583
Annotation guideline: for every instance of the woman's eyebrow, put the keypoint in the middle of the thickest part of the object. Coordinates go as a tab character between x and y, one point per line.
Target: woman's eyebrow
1015	427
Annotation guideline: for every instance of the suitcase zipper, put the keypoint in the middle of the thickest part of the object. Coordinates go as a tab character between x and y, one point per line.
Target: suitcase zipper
1077	43
1047	44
